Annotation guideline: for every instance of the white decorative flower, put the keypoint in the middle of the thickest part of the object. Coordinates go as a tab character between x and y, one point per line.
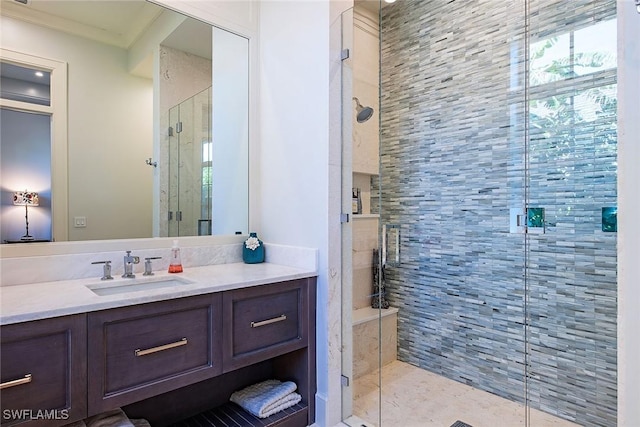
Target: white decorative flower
252	243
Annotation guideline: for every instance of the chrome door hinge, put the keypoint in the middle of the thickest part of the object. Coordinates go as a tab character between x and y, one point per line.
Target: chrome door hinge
344	218
344	54
344	380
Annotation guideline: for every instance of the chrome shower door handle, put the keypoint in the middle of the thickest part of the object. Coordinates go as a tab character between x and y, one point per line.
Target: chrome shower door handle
390	245
384	245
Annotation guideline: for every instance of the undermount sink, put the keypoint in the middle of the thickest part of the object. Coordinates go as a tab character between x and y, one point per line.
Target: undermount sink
135	285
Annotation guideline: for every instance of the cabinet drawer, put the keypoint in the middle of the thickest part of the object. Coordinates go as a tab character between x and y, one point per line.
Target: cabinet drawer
264	322
137	352
43	370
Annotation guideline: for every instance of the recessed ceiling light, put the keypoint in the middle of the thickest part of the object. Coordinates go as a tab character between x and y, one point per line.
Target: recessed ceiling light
389	1
39	74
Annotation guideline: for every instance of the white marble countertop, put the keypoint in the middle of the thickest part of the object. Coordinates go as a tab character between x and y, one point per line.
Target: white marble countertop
26	302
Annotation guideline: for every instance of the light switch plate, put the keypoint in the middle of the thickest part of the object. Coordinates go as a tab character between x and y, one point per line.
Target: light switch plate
79	221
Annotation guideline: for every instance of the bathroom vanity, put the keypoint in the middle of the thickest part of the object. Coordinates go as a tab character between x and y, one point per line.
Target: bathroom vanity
163	354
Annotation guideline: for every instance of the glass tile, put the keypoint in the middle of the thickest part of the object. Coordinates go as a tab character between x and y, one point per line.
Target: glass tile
610	219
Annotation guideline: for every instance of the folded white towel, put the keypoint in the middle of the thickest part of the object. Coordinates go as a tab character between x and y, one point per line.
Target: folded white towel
267	398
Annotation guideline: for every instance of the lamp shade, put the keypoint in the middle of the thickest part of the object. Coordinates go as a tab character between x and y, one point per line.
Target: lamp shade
25	198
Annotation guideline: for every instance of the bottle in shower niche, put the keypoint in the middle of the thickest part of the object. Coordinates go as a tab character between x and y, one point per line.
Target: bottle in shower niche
356	201
253	250
175	261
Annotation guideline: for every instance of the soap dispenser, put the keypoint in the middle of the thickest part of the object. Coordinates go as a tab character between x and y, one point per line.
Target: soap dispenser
175	263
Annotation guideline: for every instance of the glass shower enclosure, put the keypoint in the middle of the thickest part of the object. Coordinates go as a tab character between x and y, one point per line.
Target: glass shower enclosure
491	210
190	167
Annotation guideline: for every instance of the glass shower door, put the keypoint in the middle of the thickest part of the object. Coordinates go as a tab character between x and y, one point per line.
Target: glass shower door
173	212
452	171
363	346
498	171
571	211
190	167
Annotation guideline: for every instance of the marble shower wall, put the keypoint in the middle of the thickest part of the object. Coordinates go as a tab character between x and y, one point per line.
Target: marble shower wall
453	165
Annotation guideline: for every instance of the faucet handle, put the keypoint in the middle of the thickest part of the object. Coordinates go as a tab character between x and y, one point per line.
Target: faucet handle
147	265
131	259
106	269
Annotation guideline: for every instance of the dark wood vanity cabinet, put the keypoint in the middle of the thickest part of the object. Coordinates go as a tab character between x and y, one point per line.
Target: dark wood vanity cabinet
268	332
165	361
263	322
141	351
43	370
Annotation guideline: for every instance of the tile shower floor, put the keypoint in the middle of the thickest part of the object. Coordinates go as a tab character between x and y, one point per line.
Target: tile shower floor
414	397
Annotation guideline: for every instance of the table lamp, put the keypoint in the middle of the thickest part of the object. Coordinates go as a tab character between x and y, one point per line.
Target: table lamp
26	198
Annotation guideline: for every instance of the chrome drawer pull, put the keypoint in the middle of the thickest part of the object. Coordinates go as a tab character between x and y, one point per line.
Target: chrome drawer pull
19	381
269	321
182	342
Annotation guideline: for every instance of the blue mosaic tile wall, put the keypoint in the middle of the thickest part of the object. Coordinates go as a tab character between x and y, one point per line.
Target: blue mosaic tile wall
453	157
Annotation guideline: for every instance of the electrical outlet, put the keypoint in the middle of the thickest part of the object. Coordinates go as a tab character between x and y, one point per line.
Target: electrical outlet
79	221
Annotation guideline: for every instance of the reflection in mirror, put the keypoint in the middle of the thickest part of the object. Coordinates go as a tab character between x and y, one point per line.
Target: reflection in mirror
157	108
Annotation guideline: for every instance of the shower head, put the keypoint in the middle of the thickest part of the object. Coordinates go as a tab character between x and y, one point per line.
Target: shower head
364	113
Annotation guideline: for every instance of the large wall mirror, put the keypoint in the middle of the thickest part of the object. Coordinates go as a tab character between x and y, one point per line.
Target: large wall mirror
156	117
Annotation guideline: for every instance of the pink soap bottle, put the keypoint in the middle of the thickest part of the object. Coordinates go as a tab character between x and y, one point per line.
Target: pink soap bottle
175	263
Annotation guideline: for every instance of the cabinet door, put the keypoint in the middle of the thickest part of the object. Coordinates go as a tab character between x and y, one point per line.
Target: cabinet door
145	350
43	370
262	322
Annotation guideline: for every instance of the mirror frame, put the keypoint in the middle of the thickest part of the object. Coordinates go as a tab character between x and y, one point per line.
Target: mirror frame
242	23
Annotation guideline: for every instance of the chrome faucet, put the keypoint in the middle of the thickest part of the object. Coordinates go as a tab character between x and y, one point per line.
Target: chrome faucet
129	260
106	269
148	271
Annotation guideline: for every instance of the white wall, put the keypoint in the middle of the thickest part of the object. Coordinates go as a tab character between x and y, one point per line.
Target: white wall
295	164
110	131
628	213
230	133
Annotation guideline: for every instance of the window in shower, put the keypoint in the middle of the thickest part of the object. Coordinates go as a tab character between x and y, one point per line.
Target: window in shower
586	51
572	174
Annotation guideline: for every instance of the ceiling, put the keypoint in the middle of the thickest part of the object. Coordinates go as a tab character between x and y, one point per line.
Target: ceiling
115	22
372	5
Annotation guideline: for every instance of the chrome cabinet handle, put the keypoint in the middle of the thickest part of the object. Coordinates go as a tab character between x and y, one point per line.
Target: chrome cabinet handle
19	381
269	321
152	350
